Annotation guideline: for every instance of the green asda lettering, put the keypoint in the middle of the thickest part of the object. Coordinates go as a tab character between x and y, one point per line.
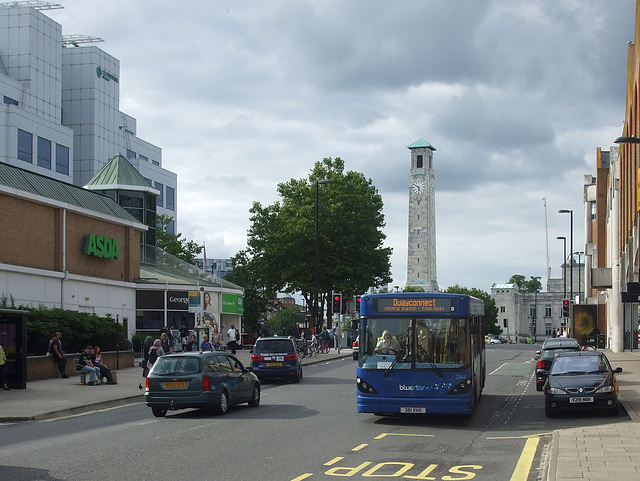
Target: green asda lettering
100	246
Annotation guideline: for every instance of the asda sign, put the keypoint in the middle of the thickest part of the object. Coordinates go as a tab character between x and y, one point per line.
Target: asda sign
100	246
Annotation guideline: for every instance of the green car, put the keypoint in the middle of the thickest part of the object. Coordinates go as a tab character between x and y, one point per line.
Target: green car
206	380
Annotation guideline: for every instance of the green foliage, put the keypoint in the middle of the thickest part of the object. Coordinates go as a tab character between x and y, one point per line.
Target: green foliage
78	329
413	289
174	244
281	240
490	308
7	303
287	318
532	285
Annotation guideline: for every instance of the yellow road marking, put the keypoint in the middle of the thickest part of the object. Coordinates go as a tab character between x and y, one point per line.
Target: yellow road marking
358	448
521	472
526	436
334	461
302	476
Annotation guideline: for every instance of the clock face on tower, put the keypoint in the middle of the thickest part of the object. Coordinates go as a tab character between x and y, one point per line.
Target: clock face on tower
418	187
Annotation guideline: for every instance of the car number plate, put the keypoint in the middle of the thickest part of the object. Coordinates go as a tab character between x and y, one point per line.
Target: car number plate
578	400
175	384
274	364
413	410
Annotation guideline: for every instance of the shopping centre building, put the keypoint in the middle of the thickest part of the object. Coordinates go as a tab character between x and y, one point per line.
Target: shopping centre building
80	191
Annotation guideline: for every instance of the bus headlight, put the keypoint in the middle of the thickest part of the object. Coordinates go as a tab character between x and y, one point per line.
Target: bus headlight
461	387
365	387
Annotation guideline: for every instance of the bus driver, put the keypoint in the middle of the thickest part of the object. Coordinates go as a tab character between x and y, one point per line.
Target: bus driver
387	345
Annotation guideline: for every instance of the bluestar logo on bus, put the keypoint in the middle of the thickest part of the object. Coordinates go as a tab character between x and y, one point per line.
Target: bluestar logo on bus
415	387
100	246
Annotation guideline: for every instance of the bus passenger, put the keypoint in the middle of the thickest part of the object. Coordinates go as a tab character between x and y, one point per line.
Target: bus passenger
387	345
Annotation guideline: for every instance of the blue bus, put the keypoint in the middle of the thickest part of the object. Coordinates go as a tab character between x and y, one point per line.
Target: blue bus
420	353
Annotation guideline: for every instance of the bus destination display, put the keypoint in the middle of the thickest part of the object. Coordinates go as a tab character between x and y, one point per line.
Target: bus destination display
413	304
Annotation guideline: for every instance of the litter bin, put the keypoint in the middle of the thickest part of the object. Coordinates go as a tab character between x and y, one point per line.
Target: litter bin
600	340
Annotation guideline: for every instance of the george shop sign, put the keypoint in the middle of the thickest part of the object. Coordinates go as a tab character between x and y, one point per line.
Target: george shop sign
100	246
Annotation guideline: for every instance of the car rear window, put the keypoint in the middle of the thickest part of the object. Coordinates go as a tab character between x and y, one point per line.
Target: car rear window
273	346
553	352
176	365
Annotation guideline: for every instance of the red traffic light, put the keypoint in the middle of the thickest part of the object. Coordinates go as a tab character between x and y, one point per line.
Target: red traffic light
336	298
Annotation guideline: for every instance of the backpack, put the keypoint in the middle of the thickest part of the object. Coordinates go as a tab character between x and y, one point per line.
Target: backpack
153	356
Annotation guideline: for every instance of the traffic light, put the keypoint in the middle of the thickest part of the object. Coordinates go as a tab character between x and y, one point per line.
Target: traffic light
566	308
336	302
357	304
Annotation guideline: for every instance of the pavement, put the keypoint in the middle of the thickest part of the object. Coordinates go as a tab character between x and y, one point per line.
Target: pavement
594	453
58	397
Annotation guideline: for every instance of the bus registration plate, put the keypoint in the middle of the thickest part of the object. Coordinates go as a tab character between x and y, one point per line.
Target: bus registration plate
413	410
577	400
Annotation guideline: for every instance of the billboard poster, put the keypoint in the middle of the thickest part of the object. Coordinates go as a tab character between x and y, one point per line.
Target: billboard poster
585	323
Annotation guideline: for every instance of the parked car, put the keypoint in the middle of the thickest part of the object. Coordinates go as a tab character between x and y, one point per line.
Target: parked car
276	357
547	354
581	380
559	340
210	380
356	348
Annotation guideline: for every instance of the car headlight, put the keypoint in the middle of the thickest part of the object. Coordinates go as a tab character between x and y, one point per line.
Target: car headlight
605	389
554	390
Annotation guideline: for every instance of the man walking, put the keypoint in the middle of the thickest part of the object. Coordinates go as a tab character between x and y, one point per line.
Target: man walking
55	347
234	335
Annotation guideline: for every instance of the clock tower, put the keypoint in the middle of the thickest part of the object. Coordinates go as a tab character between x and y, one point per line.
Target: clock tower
421	252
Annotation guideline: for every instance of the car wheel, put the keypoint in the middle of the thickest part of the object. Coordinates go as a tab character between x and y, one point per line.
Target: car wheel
158	412
255	397
223	404
538	387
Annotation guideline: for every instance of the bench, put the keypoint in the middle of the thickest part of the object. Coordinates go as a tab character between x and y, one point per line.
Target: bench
78	368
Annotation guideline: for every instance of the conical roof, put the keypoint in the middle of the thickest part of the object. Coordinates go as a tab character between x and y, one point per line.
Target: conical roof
119	174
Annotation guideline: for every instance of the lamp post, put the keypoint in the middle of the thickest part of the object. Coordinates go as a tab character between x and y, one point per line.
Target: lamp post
318	318
579	254
564	265
569	211
534	318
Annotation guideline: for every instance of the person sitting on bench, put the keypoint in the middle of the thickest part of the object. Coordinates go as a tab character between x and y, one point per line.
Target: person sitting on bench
87	366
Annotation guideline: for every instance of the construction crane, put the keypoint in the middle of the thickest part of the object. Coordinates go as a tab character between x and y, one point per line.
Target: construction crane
34	5
76	40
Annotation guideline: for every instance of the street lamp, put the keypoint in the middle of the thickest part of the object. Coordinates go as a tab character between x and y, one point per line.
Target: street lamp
318	319
569	211
627	140
580	254
564	265
534	318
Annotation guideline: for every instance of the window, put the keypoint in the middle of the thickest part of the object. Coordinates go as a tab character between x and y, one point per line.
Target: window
505	323
503	309
149	181
44	153
143	157
419	162
25	146
170	198
131	154
160	198
62	159
9	100
155	162
532	310
547	310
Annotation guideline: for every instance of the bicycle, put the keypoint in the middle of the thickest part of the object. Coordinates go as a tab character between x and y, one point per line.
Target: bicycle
314	347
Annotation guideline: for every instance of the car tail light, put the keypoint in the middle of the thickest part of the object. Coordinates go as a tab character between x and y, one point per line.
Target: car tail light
146	386
291	357
256	358
540	364
206	385
355	344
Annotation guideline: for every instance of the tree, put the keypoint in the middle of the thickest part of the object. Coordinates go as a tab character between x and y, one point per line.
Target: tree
281	238
532	285
413	289
490	309
285	318
174	244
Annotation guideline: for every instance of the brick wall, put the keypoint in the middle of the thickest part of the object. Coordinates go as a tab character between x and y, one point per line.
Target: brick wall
44	367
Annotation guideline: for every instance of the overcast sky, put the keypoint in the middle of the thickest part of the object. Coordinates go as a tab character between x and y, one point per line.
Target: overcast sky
242	95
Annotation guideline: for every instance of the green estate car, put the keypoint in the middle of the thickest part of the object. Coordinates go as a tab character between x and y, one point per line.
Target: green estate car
208	380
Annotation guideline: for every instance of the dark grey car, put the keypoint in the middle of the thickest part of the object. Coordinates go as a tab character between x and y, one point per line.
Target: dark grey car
210	380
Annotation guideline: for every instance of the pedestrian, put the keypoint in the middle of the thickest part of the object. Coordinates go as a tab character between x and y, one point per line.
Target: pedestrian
3	374
234	335
167	345
88	367
58	353
192	345
155	352
297	332
146	345
184	335
205	345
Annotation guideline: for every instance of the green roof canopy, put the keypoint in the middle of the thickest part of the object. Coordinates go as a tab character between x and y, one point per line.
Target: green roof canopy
119	174
421	144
